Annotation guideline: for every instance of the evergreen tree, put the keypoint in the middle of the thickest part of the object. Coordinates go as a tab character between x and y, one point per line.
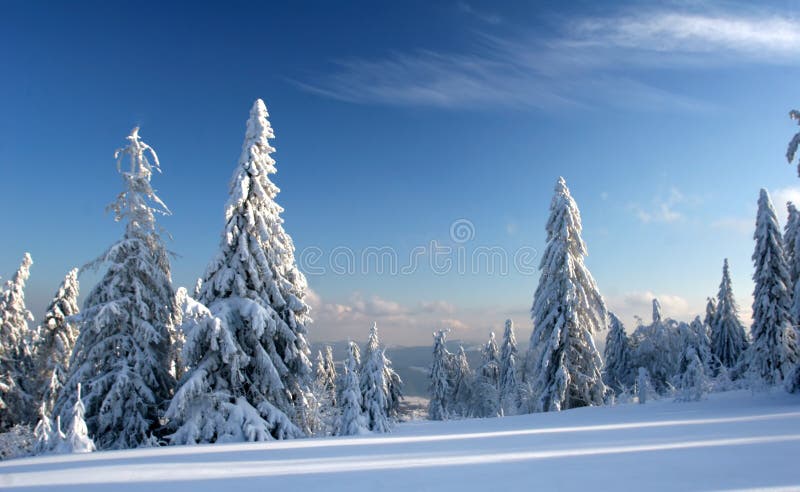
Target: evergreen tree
250	373
325	392
17	397
711	312
567	308
509	387
617	373
791	151
77	439
485	392
45	438
773	352
693	381
122	351
351	417
56	338
375	392
728	338
394	385
658	347
461	383
439	390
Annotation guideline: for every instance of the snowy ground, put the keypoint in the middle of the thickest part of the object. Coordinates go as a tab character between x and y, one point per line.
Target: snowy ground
732	441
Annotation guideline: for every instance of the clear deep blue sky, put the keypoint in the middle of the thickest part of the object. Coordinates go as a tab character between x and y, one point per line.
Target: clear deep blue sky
393	120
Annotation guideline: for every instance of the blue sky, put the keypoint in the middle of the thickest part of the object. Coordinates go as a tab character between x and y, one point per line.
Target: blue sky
396	119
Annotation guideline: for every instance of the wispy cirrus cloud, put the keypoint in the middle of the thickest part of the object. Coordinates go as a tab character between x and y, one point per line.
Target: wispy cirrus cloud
590	61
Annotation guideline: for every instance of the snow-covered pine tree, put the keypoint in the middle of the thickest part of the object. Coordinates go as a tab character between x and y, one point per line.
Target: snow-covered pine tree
43	432
791	249
77	438
351	417
617	373
658	348
330	369
509	386
694	382
439	389
701	337
122	352
249	369
791	151
375	392
56	338
773	352
565	366
394	385
485	391
325	392
461	383
17	394
711	313
728	338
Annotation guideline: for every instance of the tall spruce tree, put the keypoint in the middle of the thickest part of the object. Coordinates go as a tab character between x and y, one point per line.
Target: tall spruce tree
56	338
351	417
122	352
17	394
773	352
394	384
565	366
249	369
711	312
439	389
618	372
485	391
728	338
461	382
509	386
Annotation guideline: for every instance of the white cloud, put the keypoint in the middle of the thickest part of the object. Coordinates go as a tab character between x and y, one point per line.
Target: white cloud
631	305
760	36
581	65
779	199
403	324
663	209
741	225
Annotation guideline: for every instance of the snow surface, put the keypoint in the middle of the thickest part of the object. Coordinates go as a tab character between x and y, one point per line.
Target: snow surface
731	441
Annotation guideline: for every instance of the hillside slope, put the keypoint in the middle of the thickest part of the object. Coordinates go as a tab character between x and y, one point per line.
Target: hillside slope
731	441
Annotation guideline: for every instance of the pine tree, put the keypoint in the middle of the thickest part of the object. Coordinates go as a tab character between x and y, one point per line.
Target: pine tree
43	433
728	338
791	248
56	338
17	397
618	372
711	312
122	351
325	392
791	151
375	392
486	395
773	352
351	417
567	308
509	387
77	439
693	381
250	372
658	347
439	389
394	385
461	382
